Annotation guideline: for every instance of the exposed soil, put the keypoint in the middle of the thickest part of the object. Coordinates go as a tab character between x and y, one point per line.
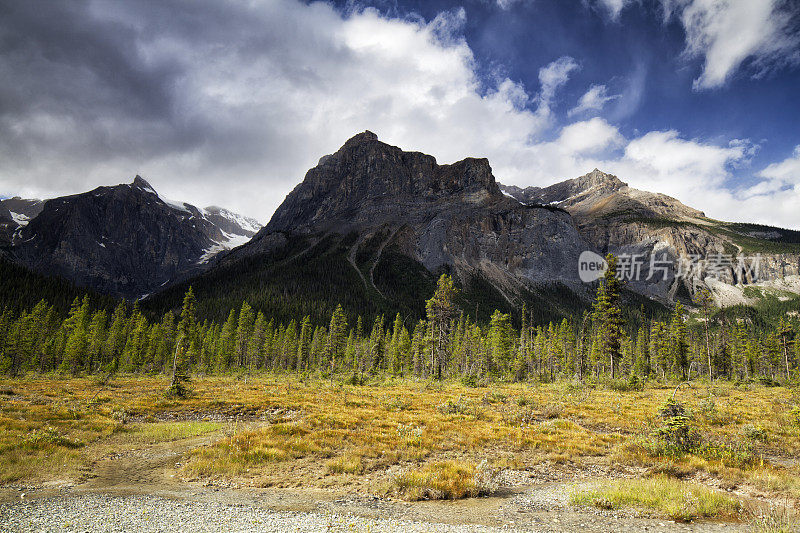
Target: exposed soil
535	499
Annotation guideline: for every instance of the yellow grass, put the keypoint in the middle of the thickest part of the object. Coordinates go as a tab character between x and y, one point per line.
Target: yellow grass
447	480
278	429
664	495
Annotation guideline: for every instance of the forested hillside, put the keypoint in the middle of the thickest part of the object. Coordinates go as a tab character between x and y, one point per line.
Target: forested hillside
445	341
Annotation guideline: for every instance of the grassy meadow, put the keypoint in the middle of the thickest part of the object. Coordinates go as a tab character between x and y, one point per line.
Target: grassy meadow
415	439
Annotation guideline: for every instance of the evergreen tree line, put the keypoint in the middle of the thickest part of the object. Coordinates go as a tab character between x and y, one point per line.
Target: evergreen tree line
446	344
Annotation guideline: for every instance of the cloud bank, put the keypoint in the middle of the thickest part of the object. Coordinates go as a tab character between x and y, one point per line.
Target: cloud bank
230	104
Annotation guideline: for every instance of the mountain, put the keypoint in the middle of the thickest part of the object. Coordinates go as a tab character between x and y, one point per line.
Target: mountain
125	240
616	218
372	226
15	213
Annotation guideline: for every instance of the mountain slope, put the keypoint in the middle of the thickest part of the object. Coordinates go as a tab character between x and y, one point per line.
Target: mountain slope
15	213
617	218
374	225
124	240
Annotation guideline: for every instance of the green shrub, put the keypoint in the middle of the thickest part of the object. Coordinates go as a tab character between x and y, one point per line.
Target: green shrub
754	432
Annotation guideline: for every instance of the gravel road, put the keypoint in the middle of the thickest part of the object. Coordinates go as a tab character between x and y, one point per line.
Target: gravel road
542	509
148	513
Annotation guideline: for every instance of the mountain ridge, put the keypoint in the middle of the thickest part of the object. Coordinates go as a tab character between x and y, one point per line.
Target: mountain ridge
124	240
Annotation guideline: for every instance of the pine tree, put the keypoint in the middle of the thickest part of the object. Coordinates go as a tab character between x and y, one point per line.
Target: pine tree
642	364
704	300
243	331
97	339
227	342
393	355
334	347
607	316
680	348
304	342
115	339
500	343
786	335
376	345
440	311
76	327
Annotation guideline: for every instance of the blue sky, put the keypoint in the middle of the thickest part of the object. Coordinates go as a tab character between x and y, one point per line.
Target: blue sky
230	102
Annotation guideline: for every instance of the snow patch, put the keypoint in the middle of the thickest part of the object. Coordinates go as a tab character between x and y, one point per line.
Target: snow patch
231	241
512	197
180	206
20	219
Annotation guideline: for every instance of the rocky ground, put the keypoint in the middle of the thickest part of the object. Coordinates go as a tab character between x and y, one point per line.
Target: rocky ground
141	491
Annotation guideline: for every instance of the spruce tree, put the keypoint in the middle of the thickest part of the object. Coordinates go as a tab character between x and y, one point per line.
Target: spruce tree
500	342
440	310
678	343
243	330
334	347
185	338
76	328
607	316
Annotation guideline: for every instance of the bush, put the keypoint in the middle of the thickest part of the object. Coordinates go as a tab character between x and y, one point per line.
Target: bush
459	407
667	496
625	385
346	464
768	382
410	435
447	480
49	435
676	434
494	397
518	417
396	403
754	432
471	381
794	416
552	410
522	401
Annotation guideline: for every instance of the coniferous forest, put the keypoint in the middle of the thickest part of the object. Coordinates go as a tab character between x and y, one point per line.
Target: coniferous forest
599	344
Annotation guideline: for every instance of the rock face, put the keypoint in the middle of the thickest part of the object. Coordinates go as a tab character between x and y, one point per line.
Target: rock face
125	240
452	216
628	222
15	213
369	182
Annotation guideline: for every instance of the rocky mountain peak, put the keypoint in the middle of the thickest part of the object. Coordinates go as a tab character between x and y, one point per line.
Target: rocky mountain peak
364	137
599	179
140	183
365	173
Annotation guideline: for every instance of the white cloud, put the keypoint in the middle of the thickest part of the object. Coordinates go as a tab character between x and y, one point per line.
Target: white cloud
726	33
593	100
555	75
613	7
589	137
263	98
266	90
551	78
508	4
786	172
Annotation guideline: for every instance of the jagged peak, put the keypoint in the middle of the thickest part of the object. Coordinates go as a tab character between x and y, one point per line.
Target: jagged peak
364	136
599	178
141	183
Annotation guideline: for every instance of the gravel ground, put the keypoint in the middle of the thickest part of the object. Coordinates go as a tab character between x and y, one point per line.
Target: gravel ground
147	513
544	510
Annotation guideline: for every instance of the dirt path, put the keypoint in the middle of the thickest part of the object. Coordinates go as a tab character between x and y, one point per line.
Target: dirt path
152	475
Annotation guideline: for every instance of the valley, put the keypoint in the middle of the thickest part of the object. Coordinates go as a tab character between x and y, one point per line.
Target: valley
284	449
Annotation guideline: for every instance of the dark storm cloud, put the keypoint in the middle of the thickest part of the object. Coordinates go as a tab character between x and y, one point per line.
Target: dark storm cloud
229	102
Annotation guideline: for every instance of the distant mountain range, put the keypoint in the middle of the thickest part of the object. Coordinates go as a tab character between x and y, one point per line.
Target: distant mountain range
371	226
124	240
